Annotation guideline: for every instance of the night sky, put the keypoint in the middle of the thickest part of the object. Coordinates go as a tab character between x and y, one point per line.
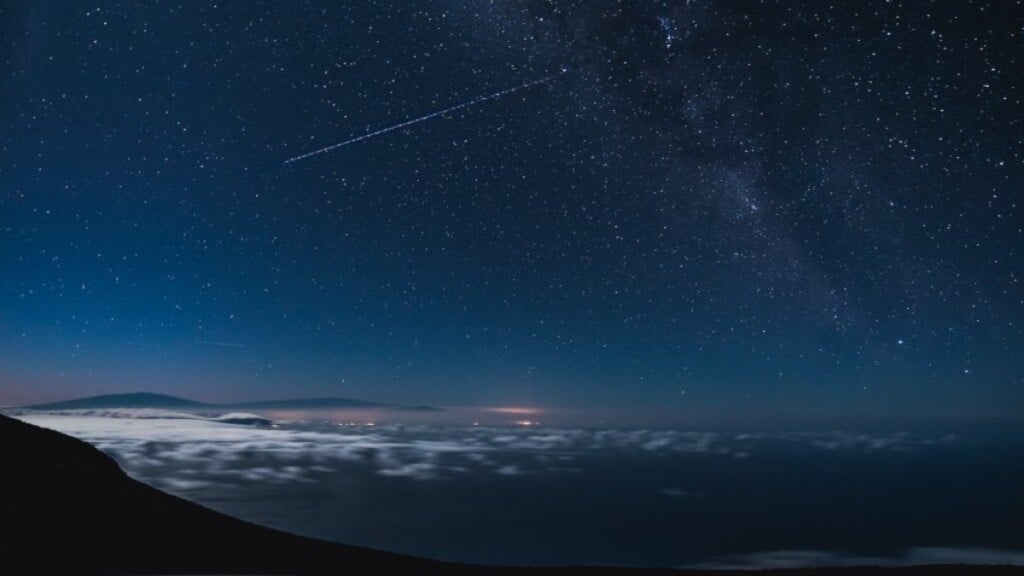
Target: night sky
724	210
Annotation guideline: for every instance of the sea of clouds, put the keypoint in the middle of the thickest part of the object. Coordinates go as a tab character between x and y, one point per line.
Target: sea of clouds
532	494
240	446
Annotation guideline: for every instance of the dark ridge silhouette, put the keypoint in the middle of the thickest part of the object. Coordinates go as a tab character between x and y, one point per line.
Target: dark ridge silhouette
66	508
148	400
418	408
132	400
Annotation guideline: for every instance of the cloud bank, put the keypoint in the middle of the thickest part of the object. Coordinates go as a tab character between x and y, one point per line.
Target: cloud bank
247	447
546	494
795	559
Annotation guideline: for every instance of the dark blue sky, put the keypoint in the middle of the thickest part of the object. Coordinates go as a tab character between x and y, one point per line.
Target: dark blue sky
723	209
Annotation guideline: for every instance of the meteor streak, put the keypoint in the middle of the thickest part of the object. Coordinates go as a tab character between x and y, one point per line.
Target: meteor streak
449	110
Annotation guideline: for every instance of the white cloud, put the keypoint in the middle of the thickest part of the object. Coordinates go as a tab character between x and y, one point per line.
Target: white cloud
220	450
417	470
964	556
183	484
677	493
778	559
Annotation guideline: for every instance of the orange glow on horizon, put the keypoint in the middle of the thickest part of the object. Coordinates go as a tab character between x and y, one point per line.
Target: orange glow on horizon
516	410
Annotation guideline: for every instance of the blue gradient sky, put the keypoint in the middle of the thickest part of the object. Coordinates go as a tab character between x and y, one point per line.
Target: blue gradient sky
724	210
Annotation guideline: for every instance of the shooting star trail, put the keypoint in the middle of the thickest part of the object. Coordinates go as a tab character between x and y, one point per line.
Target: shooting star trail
449	110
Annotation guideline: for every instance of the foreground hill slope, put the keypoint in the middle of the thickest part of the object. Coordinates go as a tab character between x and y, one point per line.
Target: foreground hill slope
66	508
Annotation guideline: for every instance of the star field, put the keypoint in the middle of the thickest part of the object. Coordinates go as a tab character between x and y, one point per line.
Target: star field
720	210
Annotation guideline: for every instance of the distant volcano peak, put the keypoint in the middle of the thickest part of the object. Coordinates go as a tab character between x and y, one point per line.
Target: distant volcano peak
154	400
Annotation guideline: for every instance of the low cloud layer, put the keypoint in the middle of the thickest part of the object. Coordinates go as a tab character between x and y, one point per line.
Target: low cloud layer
534	495
247	447
780	559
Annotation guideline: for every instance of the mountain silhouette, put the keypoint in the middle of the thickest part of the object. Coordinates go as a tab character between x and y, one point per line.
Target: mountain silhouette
66	508
132	400
150	400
